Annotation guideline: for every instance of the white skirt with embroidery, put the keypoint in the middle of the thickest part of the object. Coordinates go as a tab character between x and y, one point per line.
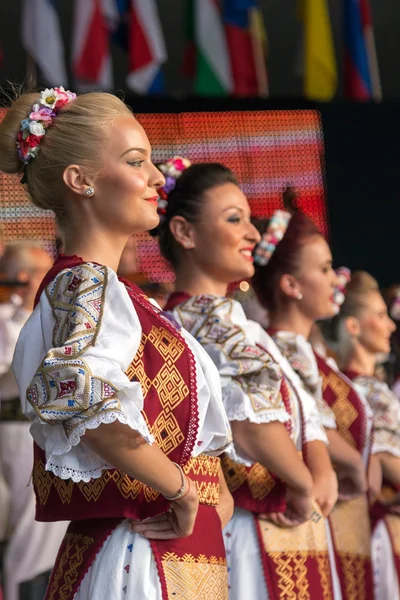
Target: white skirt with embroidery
386	581
124	568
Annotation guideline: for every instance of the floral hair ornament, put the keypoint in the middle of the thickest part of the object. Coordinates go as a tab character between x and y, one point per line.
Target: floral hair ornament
172	169
34	127
274	233
343	278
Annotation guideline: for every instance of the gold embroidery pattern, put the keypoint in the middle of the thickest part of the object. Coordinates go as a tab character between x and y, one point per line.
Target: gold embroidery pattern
354	576
292	575
351	531
168	383
75	546
195	578
324	570
258	478
345	413
351	527
290	549
208	491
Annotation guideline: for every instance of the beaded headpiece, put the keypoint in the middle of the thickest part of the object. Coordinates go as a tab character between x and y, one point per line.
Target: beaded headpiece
172	169
34	127
274	233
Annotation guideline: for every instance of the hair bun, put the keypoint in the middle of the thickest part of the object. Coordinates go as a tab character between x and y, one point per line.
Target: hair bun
9	129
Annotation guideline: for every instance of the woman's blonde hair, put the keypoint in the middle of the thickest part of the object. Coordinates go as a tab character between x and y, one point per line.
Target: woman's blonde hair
76	136
361	284
357	290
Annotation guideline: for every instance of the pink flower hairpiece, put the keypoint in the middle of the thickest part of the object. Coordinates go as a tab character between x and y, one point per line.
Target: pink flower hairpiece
274	233
343	278
34	127
172	169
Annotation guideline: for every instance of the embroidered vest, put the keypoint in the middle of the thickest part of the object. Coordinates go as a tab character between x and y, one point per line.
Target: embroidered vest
165	368
346	404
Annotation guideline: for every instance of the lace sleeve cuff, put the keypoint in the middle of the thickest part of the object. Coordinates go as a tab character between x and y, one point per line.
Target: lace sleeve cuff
240	406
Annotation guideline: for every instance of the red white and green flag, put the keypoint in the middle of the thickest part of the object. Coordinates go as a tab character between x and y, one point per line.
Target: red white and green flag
207	58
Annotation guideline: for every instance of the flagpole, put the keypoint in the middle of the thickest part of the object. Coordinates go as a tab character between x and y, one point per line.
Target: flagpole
373	65
259	53
31	72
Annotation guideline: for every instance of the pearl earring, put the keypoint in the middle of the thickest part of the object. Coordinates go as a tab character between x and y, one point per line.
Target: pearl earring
89	192
299	296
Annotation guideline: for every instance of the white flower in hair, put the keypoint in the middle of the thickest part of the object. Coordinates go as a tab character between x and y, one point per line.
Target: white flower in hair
36	128
49	97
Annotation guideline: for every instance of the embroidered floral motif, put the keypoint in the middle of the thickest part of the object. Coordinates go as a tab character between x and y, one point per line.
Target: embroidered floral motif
302	360
64	389
386	409
209	320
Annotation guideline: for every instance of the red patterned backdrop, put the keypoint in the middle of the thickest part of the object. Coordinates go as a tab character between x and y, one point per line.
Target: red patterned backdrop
266	149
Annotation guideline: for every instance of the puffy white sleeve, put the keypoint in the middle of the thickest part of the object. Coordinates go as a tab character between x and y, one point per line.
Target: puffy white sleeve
250	379
70	364
314	428
386	409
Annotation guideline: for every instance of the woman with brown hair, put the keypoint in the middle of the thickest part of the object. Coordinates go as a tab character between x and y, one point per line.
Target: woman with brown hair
277	543
363	330
295	282
125	408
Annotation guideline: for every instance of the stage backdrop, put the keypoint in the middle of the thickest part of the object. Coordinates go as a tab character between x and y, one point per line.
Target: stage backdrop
267	150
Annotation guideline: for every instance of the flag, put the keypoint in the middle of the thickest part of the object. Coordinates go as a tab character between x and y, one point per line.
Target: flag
146	48
207	58
94	21
361	67
246	38
320	71
41	38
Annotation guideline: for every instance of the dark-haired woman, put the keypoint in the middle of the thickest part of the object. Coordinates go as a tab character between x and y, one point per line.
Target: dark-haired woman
296	283
363	330
276	542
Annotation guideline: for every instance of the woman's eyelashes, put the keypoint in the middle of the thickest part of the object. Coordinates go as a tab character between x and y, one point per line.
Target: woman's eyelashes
136	163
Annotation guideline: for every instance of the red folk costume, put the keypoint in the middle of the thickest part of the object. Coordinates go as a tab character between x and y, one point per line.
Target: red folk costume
349	521
385	524
152	378
264	561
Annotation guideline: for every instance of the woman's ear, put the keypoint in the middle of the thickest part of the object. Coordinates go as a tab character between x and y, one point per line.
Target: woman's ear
75	179
183	232
352	325
290	286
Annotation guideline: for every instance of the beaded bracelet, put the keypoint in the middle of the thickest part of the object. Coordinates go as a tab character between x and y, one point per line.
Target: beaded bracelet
181	492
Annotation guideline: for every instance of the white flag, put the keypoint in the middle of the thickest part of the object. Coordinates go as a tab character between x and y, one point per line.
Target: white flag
41	37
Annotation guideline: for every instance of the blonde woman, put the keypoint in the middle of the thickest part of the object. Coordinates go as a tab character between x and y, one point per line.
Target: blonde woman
126	411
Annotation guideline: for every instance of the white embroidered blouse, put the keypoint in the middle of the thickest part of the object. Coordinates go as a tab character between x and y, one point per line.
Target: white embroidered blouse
300	355
250	365
386	408
70	364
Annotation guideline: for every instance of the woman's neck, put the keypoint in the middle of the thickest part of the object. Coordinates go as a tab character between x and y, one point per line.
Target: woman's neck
292	320
195	282
96	246
359	360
